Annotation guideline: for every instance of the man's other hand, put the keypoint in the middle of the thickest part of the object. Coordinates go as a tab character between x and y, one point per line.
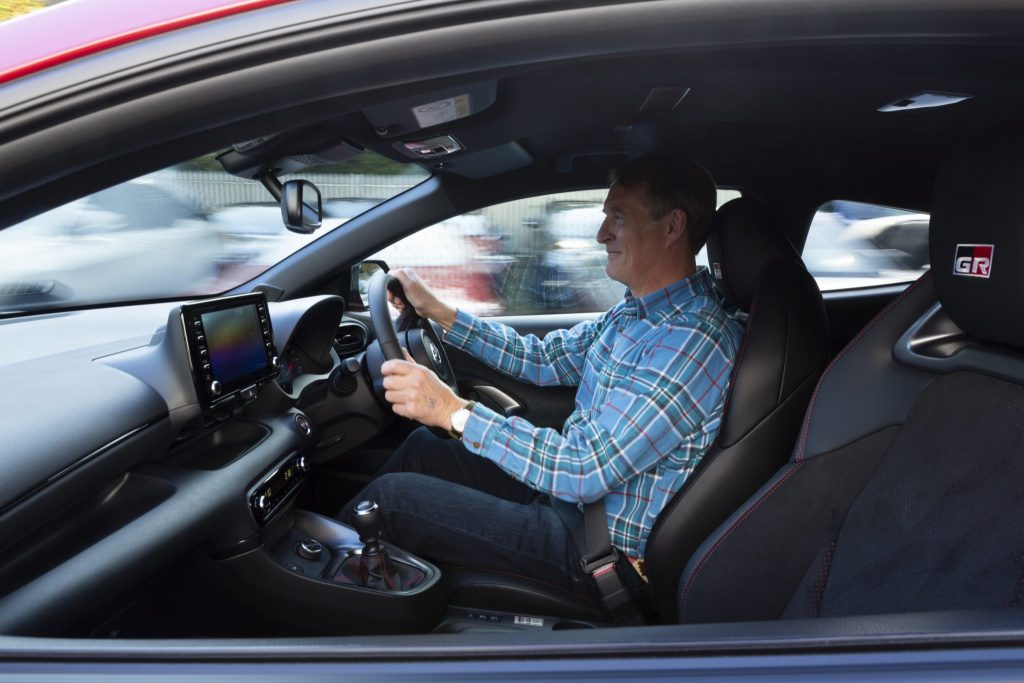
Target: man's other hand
425	302
417	393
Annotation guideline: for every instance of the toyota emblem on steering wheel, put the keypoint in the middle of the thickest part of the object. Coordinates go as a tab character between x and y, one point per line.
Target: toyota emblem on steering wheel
435	354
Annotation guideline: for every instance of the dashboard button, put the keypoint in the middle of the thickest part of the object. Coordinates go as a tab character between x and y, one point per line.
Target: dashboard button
215	388
303	424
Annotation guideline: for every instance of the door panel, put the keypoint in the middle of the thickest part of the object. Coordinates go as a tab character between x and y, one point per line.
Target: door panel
542	406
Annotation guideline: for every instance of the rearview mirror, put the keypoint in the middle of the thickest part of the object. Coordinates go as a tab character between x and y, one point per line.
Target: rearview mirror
302	209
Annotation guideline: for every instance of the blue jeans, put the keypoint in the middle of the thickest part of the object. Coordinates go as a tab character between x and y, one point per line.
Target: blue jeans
443	503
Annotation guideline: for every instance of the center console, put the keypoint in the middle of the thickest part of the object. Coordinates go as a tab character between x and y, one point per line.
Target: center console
310	574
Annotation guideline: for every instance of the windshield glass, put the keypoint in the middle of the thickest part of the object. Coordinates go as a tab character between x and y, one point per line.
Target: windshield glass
186	231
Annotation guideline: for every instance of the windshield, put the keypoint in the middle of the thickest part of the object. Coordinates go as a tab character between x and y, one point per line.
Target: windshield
186	231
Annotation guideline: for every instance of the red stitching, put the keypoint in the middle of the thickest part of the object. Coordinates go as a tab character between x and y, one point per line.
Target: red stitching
805	429
735	525
823	572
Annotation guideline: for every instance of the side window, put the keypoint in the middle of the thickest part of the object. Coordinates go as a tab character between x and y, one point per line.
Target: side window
525	257
851	245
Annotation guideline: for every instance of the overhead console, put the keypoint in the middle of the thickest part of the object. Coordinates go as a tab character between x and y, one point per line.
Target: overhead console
230	347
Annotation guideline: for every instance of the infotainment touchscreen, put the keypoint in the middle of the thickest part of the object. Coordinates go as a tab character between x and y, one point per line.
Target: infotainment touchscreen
235	342
230	343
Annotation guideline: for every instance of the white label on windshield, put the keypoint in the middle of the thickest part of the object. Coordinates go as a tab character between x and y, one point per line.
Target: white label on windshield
441	111
528	621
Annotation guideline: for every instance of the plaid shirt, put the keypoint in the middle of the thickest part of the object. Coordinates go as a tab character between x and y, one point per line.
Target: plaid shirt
652	376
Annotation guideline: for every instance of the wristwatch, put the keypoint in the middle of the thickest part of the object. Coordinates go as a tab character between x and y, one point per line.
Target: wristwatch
459	418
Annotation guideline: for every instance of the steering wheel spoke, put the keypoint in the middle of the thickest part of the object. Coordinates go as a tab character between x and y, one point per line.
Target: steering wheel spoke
422	341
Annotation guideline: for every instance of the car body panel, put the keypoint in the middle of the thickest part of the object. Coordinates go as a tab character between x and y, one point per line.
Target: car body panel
126	111
66	32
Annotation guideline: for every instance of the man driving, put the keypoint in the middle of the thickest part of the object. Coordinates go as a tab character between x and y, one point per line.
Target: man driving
652	376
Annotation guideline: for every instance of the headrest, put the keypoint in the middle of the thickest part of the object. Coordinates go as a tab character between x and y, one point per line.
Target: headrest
976	240
743	240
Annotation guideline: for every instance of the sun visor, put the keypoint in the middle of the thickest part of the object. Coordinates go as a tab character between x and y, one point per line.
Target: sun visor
436	108
977	239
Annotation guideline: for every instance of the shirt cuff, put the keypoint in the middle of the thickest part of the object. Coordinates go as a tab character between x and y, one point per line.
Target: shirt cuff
481	424
462	331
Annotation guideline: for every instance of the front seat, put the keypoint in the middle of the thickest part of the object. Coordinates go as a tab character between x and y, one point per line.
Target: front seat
905	491
785	349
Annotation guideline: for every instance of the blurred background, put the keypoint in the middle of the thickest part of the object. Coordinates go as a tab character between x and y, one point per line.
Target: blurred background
195	230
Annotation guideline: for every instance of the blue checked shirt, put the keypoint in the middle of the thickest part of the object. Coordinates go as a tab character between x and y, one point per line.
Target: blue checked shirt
652	375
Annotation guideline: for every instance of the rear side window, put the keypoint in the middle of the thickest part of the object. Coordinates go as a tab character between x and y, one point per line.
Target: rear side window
851	245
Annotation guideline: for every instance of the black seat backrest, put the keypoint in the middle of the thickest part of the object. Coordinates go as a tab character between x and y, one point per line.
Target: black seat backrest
785	349
905	491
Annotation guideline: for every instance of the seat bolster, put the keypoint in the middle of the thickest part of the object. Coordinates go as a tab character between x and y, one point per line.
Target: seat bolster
784	352
726	478
748	569
865	374
786	342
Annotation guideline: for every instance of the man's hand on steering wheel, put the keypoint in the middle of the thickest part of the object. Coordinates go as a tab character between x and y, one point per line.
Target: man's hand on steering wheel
416	392
424	301
422	386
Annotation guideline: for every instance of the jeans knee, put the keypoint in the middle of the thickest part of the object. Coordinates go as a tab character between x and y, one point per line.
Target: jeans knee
393	489
422	438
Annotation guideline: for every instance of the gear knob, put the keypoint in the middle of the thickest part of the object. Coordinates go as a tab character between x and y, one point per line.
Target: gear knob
366	518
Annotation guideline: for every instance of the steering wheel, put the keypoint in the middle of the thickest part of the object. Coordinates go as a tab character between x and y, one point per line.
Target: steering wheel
420	339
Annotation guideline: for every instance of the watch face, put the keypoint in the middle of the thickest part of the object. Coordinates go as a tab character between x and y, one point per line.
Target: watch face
459	418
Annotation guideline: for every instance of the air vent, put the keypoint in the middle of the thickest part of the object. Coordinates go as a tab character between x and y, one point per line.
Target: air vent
349	339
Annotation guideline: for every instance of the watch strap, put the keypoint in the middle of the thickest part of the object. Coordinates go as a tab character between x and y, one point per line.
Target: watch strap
455	433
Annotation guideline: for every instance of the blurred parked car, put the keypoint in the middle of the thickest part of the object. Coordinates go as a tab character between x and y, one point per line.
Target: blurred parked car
136	236
904	237
255	233
844	255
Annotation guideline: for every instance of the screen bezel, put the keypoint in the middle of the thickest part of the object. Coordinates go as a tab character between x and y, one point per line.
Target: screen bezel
203	377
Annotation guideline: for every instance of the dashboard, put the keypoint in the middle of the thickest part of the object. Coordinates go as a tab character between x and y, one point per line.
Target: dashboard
134	434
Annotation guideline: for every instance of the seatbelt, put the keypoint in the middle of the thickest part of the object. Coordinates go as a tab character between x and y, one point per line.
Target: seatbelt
608	567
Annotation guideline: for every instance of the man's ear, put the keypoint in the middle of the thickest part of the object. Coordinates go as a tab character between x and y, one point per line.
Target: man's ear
676	226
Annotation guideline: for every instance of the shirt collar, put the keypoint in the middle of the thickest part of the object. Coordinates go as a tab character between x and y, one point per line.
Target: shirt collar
673	297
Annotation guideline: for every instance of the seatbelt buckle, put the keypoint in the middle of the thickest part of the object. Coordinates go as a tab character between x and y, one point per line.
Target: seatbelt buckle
615	595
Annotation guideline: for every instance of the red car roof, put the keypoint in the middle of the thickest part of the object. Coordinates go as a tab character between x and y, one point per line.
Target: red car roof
77	28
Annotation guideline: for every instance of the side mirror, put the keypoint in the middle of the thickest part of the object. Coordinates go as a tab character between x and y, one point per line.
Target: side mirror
360	279
302	209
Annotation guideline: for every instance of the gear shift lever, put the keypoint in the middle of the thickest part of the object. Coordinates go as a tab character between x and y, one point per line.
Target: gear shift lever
374	566
367	521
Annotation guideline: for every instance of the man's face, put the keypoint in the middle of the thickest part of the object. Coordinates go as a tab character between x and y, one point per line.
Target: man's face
633	239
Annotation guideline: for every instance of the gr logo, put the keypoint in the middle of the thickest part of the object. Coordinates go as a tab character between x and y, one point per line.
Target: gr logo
973	260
